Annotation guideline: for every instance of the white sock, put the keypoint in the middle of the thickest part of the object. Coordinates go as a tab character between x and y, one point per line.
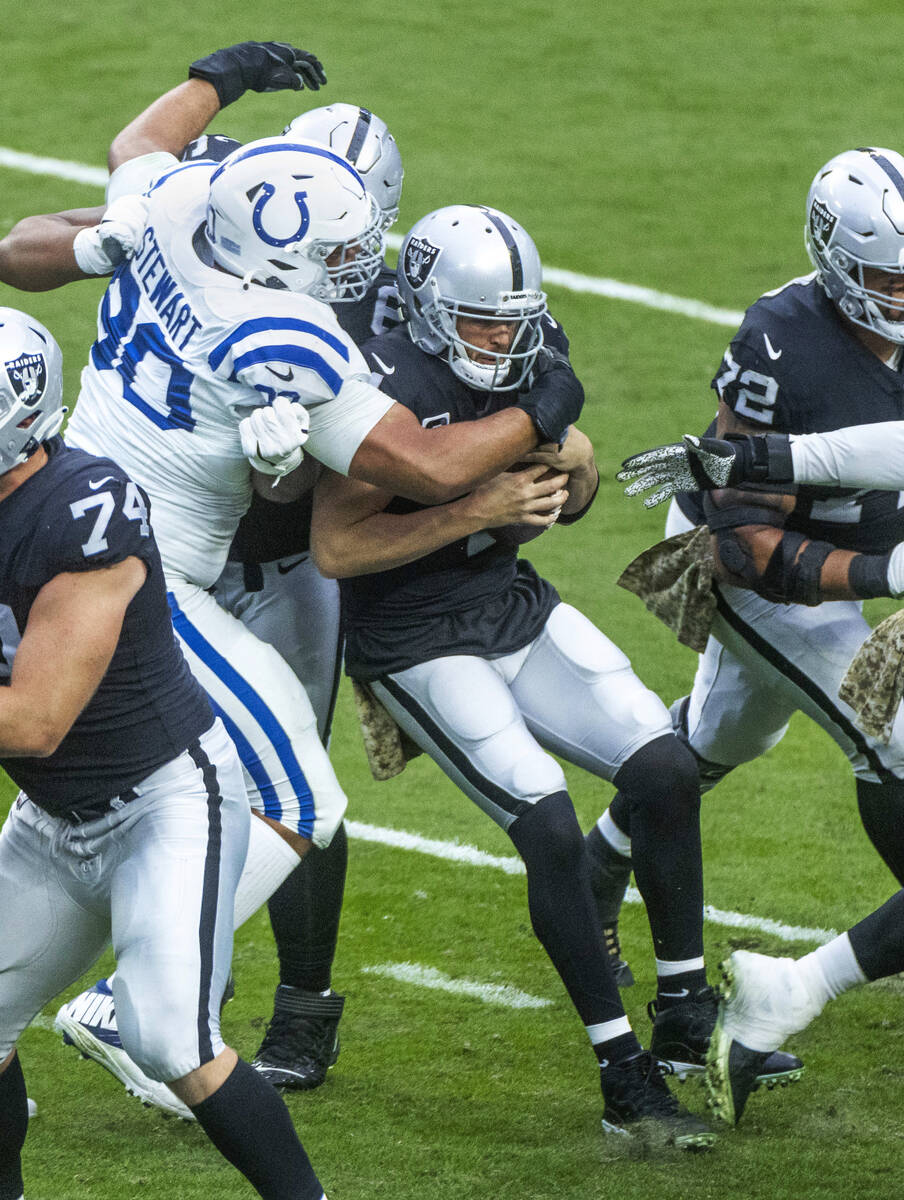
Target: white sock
608	1030
679	966
270	860
831	969
620	842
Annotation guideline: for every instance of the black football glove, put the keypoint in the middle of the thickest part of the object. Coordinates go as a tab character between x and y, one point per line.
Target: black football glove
556	396
258	67
701	464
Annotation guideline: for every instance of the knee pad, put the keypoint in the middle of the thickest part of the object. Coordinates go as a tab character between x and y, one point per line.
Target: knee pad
550	829
660	775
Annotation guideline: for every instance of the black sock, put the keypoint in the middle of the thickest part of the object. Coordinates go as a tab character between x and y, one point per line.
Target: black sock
617	1049
661	783
676	989
562	911
882	813
249	1124
305	911
878	940
13	1127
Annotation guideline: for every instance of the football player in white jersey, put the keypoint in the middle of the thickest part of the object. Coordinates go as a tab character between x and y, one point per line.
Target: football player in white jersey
205	350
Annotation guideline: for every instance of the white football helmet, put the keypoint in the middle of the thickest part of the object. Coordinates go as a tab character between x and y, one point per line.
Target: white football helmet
855	220
280	209
361	137
475	262
31	387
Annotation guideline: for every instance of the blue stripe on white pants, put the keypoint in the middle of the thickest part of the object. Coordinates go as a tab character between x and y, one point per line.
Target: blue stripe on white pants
266	710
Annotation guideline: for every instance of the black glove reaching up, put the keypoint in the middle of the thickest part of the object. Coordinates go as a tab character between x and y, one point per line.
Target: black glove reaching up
556	396
258	67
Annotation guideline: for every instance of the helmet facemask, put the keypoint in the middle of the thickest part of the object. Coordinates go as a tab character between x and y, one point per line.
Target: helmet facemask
352	266
479	366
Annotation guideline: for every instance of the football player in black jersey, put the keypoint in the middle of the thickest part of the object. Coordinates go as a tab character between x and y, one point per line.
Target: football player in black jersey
131	825
821	353
484	667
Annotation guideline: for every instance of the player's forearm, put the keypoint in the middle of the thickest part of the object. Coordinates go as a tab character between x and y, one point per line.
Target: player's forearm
435	465
37	255
169	124
862	456
386	540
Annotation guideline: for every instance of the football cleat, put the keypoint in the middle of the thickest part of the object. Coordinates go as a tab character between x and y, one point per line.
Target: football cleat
681	1037
639	1104
763	1001
302	1039
89	1023
624	976
32	1108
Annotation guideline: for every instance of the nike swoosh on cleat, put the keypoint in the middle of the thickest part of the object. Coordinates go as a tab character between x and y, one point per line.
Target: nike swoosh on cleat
94	484
770	349
287	378
382	365
677	995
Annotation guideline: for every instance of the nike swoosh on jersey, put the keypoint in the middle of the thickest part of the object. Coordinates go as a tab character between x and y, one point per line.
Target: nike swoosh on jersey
770	349
382	365
94	484
291	567
287	378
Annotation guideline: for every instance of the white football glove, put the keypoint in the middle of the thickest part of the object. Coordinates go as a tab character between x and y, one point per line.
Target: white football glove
684	466
273	435
100	249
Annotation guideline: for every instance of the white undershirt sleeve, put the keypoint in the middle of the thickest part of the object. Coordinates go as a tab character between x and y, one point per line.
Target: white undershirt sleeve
870	456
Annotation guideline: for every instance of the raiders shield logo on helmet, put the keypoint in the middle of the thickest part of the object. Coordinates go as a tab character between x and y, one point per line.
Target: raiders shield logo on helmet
420	256
822	223
28	376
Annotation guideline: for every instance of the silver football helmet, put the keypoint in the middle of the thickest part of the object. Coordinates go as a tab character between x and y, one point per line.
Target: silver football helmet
361	137
294	214
31	387
473	262
855	222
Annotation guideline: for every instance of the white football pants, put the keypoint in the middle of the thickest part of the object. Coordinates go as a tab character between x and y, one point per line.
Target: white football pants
266	712
488	722
158	878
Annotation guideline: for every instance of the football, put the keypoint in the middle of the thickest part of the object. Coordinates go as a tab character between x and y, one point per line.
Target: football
518	535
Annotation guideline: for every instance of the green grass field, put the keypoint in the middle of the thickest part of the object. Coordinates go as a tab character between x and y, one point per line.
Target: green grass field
669	147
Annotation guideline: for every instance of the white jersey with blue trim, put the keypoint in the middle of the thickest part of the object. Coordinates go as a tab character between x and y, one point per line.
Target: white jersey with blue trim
183	353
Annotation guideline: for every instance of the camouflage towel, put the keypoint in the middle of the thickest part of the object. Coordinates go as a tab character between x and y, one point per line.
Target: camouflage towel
874	683
674	580
388	747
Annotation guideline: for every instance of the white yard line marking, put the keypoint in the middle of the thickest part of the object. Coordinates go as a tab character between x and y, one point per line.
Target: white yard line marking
503	995
612	289
471	856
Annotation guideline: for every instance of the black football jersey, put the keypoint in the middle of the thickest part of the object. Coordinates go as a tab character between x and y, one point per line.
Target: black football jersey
268	530
795	367
78	513
473	596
